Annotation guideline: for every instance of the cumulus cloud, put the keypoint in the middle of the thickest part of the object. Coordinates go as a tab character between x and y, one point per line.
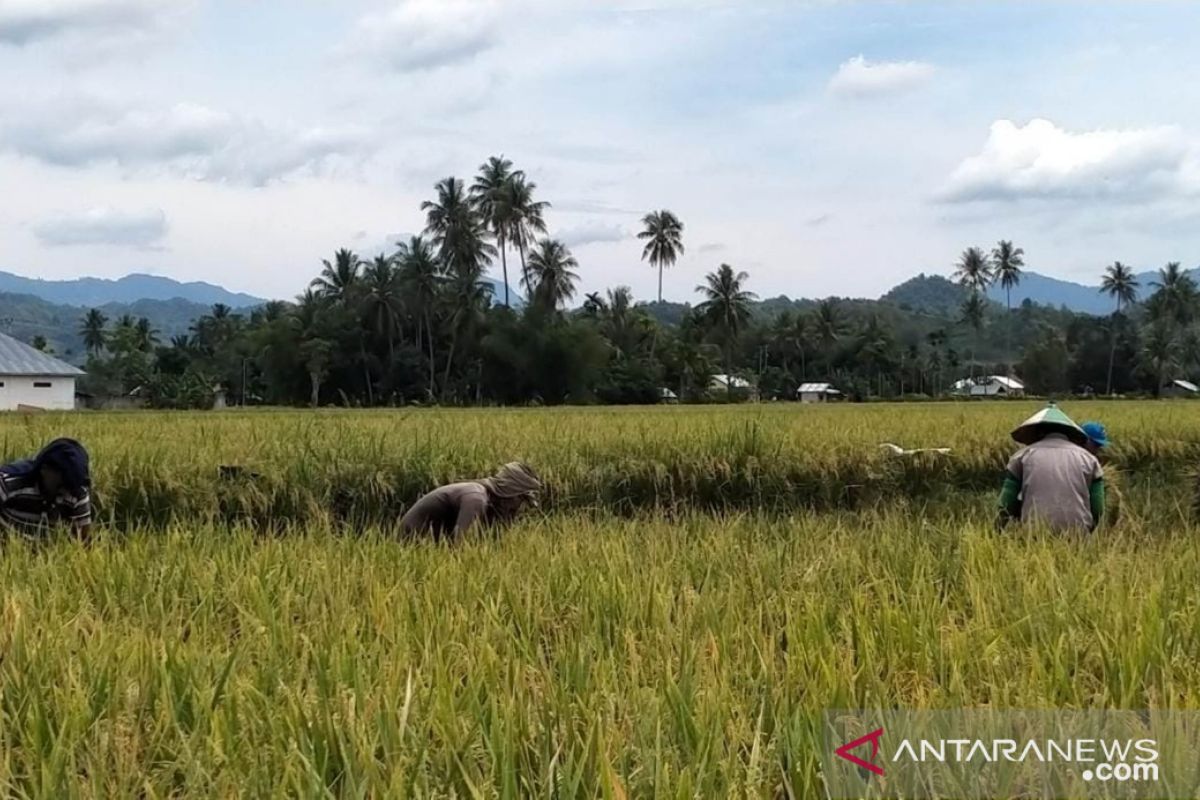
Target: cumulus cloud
591	233
26	21
103	226
1041	160
418	35
184	139
860	78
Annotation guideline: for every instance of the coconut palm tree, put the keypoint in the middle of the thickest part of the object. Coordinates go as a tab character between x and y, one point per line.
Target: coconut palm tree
726	309
973	270
526	216
1160	352
339	279
147	337
663	234
492	194
421	281
93	331
594	305
1007	263
1120	284
382	303
1176	295
457	231
553	270
467	297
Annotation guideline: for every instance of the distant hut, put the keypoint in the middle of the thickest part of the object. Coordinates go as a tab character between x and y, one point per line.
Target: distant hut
817	393
1180	388
733	386
989	386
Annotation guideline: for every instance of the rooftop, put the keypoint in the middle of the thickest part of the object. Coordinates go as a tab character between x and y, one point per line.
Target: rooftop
18	358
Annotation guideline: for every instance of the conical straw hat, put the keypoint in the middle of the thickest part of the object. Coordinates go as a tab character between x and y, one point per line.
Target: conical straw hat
1049	420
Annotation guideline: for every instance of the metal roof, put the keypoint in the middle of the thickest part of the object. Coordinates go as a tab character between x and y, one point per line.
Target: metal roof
735	381
1188	385
984	380
817	388
18	358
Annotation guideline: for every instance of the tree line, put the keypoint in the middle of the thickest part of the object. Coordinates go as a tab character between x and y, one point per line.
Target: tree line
421	325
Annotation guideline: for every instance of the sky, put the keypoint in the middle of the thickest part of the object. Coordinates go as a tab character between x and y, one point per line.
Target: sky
825	147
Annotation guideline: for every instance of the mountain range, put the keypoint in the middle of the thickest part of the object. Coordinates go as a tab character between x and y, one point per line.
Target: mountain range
1047	291
95	292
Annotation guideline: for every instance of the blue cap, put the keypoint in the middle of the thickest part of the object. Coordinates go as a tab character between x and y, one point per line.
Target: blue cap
1096	433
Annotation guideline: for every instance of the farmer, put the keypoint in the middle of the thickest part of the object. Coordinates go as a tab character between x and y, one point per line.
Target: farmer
50	489
1054	479
452	510
1097	437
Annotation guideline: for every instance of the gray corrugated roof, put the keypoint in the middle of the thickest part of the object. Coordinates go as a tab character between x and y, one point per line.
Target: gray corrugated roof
18	358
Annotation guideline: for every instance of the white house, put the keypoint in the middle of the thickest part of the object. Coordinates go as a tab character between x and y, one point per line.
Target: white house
817	392
31	379
989	386
1180	388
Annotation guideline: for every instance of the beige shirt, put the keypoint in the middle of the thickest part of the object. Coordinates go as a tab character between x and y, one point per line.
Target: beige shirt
1056	478
449	510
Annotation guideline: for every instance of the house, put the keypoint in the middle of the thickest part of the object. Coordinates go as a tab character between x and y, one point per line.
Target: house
732	385
1180	388
817	392
30	379
665	395
989	386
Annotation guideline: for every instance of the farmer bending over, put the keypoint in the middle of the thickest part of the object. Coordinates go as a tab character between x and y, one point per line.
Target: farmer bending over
1097	438
452	510
50	489
1054	480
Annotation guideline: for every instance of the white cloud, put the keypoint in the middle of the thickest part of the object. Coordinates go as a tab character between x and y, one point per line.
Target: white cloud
423	34
103	226
859	77
591	233
26	21
1042	160
184	139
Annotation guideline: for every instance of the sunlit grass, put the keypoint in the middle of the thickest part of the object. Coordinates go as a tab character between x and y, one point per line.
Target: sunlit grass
573	655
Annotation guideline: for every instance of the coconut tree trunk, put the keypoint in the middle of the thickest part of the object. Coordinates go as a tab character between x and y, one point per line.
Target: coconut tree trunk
504	268
1112	352
449	361
1008	329
660	271
362	353
429	343
315	382
524	266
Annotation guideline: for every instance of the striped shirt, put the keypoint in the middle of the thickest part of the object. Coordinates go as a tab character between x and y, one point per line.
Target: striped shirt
23	508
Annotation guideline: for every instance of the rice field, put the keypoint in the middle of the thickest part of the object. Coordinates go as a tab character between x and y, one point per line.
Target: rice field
701	584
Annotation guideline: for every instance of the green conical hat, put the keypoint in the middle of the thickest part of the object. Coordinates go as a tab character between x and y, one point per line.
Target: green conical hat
1049	420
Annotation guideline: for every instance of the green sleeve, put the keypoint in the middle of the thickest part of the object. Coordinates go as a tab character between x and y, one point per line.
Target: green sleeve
1097	498
1010	496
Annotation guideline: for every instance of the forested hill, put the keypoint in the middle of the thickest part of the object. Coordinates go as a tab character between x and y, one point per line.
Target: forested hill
916	308
27	317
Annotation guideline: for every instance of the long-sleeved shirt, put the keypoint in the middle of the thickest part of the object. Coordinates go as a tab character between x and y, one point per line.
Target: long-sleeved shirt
448	511
1056	482
25	509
